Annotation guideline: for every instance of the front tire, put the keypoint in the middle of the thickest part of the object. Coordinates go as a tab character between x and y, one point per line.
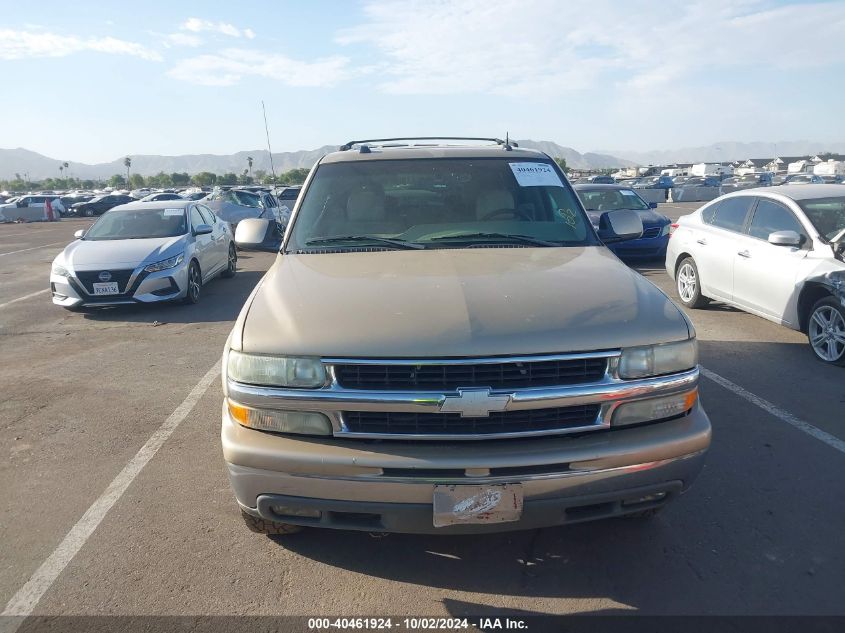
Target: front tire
270	528
232	263
688	284
826	331
194	284
88	213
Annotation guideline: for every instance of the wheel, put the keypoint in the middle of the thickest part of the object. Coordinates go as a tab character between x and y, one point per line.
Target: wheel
232	263
194	283
826	331
687	284
261	526
88	213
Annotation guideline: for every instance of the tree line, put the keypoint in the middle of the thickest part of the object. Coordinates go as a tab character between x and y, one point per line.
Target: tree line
159	181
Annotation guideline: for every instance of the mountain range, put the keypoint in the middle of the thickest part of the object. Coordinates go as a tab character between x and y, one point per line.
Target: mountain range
37	166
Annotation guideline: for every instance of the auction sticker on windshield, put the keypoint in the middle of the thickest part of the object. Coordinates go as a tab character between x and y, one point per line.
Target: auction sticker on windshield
172	212
535	175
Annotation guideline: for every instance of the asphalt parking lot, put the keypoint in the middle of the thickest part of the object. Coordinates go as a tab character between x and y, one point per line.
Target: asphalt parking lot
81	393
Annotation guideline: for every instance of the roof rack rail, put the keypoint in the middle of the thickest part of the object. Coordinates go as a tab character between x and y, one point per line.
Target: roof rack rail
507	144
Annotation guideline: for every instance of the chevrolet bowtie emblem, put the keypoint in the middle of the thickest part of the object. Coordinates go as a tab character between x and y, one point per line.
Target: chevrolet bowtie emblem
474	403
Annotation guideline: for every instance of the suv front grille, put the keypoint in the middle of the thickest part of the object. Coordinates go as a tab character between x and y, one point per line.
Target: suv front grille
90	277
383	422
448	377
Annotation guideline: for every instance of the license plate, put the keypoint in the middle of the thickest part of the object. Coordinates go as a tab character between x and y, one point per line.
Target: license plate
498	503
109	288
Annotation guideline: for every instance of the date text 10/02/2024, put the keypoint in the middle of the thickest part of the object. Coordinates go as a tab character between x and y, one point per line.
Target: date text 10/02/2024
416	624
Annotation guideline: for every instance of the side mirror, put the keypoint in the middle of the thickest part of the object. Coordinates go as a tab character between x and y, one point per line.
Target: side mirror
257	234
619	226
652	205
785	238
202	229
78	234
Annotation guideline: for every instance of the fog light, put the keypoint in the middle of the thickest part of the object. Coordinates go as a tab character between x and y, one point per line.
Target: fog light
657	496
298	422
307	513
654	408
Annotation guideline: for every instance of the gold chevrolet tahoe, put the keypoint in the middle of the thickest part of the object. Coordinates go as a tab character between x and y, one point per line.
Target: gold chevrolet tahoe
445	345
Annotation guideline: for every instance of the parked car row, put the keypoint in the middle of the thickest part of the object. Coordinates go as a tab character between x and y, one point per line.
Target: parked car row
232	203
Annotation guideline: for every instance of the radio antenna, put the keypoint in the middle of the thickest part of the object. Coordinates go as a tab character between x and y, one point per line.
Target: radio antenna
269	151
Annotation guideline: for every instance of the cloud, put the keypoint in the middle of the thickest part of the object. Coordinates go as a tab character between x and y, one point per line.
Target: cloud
547	47
16	44
229	66
198	25
182	39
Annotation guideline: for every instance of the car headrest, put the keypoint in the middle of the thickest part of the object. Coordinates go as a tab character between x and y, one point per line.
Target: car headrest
490	201
365	205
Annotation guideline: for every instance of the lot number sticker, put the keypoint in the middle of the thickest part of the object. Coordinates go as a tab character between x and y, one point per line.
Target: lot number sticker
535	175
173	212
628	193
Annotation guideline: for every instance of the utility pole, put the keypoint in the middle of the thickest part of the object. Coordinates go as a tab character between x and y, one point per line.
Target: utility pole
269	151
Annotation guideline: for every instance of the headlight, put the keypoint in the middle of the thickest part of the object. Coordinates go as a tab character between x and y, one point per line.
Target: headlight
299	422
656	360
653	408
665	230
60	270
165	263
276	371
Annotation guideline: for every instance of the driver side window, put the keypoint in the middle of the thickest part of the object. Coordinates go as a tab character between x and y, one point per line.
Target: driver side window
769	217
196	218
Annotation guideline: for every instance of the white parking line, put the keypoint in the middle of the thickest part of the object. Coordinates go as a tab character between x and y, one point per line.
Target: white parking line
34	248
798	423
24	298
28	596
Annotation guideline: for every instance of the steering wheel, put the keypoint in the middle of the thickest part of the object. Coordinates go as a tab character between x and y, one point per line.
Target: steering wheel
515	213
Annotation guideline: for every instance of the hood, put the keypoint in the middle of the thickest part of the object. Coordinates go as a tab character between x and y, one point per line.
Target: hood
456	302
649	217
231	212
87	254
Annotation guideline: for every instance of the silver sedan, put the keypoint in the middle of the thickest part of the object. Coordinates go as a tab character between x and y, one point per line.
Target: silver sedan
144	252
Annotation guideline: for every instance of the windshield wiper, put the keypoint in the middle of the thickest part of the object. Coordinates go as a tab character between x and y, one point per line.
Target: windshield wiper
391	241
525	239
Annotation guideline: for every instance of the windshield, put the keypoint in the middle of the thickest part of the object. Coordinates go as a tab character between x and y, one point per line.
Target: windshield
137	224
611	200
826	214
440	204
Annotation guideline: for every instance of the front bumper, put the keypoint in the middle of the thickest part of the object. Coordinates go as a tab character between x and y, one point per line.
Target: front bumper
388	485
142	287
643	248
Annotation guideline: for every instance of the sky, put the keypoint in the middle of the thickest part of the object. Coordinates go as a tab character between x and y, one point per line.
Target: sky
93	81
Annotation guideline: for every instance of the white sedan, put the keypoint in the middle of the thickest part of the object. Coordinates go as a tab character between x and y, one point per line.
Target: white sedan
144	252
778	253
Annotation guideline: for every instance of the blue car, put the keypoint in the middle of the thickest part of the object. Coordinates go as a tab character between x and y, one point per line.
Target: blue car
598	199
